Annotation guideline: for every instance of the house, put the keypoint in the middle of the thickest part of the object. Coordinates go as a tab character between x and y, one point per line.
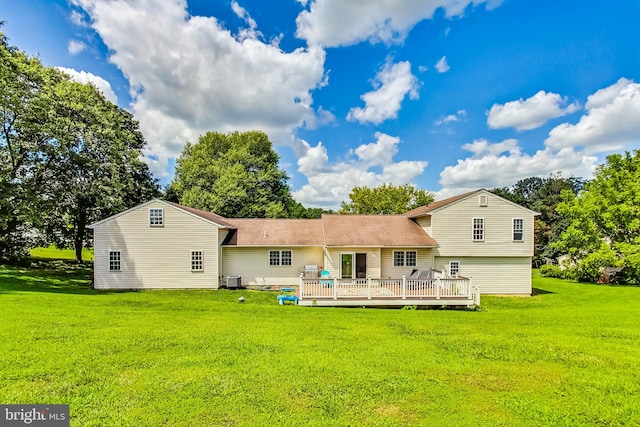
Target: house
476	240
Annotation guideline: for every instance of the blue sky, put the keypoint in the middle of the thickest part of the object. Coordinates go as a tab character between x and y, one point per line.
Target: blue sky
449	95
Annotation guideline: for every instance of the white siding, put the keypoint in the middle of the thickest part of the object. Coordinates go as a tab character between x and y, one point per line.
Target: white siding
252	265
424	262
155	257
494	275
452	228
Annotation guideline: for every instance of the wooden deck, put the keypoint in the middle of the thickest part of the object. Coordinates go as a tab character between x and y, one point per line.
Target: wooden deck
330	292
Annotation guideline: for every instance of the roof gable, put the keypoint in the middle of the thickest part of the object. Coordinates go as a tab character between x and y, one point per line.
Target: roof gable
212	218
442	204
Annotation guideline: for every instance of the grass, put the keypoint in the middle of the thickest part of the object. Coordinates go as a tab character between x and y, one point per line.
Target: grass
53	253
567	356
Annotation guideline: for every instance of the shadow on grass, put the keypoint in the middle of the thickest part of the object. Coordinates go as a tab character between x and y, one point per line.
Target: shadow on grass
538	291
50	275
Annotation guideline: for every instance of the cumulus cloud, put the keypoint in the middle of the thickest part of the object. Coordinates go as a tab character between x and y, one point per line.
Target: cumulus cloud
480	170
189	74
85	77
330	183
611	122
392	84
442	65
458	116
333	23
530	113
74	47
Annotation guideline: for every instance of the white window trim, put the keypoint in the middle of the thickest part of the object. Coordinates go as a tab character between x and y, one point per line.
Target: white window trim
161	217
201	260
119	252
473	229
513	229
483	200
404	258
279	251
451	269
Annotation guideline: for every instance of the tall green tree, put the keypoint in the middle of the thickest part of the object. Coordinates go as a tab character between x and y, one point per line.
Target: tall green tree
543	195
385	199
67	156
26	94
235	175
604	221
97	165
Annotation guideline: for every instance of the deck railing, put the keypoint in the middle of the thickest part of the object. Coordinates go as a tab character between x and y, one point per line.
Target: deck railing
403	288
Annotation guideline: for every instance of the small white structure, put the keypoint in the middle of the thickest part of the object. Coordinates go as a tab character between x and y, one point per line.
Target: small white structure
478	234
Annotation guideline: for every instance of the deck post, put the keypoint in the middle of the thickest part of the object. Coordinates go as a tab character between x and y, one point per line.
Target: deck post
438	284
369	287
301	283
335	288
404	287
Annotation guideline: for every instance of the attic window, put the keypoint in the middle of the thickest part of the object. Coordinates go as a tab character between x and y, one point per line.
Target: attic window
156	217
483	200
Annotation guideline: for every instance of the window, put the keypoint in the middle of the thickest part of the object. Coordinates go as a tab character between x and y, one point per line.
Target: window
518	229
156	217
280	257
115	261
478	229
398	259
402	258
454	268
197	261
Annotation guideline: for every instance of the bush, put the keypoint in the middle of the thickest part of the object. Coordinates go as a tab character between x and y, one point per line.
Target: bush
549	270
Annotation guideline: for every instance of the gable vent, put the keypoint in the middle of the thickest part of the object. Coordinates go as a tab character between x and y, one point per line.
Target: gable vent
483	200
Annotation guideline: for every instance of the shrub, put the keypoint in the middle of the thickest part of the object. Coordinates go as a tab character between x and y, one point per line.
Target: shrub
549	270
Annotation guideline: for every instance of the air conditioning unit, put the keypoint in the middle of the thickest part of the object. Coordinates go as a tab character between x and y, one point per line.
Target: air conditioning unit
233	282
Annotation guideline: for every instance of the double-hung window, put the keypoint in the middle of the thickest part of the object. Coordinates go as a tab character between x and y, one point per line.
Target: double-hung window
280	258
518	229
405	258
115	261
454	268
478	229
156	217
197	261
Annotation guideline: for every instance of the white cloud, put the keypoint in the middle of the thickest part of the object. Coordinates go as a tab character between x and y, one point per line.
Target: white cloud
529	113
458	116
490	167
393	82
330	183
331	23
442	65
189	74
611	123
85	77
78	19
74	47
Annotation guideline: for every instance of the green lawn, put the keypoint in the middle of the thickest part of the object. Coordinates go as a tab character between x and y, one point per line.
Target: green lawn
52	252
568	356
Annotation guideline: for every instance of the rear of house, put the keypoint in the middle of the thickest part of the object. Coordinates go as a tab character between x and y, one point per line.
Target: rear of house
164	245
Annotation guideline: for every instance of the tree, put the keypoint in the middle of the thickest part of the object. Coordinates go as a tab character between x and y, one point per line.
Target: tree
385	199
97	165
543	195
26	92
67	156
234	175
604	221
